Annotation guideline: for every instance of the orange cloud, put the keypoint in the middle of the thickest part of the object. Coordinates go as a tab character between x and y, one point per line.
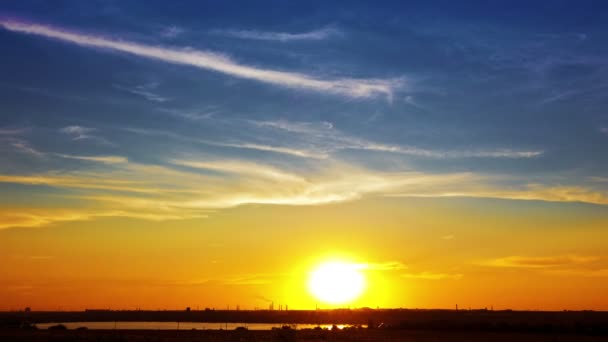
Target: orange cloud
539	262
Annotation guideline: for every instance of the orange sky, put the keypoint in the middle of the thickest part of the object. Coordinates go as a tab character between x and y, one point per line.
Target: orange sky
421	253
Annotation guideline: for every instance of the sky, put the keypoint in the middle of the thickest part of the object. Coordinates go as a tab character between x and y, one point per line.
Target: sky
210	154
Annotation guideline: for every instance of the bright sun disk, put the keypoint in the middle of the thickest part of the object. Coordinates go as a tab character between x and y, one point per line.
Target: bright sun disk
337	282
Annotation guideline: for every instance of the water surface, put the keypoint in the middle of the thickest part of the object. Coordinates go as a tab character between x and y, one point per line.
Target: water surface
180	325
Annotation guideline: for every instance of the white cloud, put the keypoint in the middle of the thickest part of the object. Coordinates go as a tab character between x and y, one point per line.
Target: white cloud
357	88
319	34
77	132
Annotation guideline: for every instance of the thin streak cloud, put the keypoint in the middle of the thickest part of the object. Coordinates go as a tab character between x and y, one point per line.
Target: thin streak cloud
24	146
11	131
539	261
329	139
162	193
319	34
384	266
98	159
240	167
432	276
350	87
171	32
145	91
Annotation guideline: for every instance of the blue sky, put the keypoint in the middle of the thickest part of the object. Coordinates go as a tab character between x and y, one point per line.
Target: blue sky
335	101
168	152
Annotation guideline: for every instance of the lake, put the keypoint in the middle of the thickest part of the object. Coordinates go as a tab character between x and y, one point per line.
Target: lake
180	325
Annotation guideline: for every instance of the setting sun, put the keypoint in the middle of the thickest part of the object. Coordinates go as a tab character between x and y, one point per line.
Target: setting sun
336	282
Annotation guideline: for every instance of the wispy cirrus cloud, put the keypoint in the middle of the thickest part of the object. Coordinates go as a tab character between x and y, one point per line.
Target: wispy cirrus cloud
578	273
80	180
526	192
179	190
14	137
432	276
31	220
298	152
519	261
98	159
160	192
77	132
324	138
171	32
42	217
39	217
319	140
557	193
281	149
144	90
12	131
246	279
53	93
206	113
350	87
319	34
25	147
385	266
240	167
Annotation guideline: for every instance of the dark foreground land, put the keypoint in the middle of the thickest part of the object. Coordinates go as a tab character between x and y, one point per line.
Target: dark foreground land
383	325
577	322
287	335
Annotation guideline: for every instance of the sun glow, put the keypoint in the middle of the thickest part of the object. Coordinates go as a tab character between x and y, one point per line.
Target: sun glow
337	282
